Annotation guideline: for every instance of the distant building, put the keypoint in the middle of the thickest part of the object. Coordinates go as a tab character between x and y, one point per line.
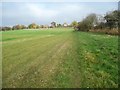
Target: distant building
46	26
65	24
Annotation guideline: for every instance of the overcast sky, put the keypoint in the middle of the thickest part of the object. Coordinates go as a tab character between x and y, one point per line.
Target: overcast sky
45	12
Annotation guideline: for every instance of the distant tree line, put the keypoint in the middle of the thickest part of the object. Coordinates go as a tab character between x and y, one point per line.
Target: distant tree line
97	23
34	26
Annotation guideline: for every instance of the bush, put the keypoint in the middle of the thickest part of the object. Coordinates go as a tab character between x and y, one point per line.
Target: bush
106	31
82	26
6	28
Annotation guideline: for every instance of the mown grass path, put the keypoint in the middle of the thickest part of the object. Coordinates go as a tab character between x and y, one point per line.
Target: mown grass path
59	57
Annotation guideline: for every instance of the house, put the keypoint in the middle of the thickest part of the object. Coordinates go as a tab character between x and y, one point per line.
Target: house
65	24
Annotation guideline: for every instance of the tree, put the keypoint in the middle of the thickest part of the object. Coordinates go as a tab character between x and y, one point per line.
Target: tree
112	19
42	26
59	25
6	28
0	28
74	24
101	23
33	26
91	20
37	27
23	27
88	23
82	26
17	27
53	24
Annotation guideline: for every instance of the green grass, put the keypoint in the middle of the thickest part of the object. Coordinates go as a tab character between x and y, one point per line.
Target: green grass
59	57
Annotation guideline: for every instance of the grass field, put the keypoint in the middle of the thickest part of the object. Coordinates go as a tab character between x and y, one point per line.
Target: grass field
59	58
